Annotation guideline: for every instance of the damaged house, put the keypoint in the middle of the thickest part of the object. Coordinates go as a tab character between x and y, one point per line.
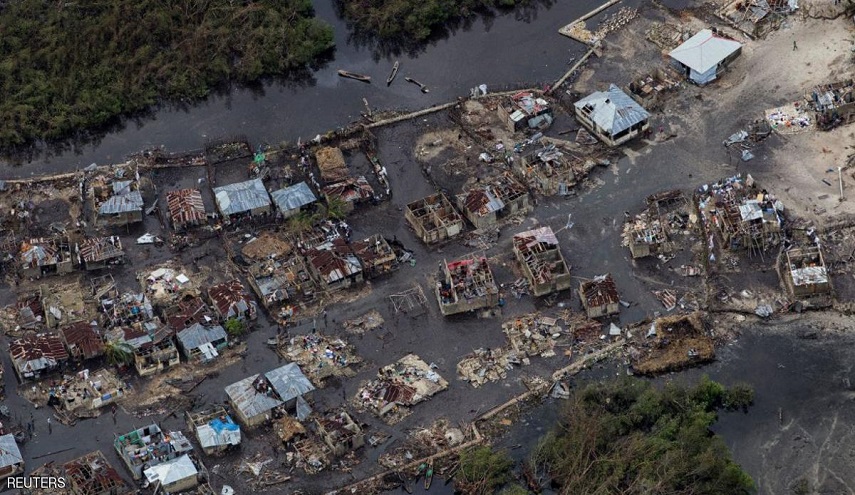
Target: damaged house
704	56
612	116
100	252
276	281
806	277
548	170
340	432
92	474
187	312
485	203
40	257
148	447
37	355
63	303
231	300
434	219
376	256
334	265
525	110
599	296
202	343
186	208
83	340
11	460
254	398
743	216
834	104
214	429
292	200
543	265
352	191
117	201
152	344
243	199
645	236
466	285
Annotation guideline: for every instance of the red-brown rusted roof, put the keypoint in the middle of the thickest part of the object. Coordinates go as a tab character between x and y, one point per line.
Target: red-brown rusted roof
185	207
83	340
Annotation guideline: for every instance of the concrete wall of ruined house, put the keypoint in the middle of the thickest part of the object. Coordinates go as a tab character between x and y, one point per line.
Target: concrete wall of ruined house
601	311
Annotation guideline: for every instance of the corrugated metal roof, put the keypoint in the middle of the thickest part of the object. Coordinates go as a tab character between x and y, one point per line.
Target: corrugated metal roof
10	454
96	249
185	206
217	432
248	400
600	291
612	110
704	50
542	234
230	298
39	252
195	335
37	351
83	339
289	381
172	471
124	203
241	197
293	197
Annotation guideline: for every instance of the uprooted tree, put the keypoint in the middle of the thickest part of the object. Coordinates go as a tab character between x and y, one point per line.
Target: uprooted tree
631	438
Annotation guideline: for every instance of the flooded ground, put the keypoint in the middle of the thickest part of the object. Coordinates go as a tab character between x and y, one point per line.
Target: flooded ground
800	426
508	48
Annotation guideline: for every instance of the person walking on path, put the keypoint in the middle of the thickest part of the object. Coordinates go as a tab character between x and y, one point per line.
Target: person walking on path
795	46
49	427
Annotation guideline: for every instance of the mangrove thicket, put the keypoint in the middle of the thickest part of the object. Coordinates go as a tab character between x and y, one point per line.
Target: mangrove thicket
66	66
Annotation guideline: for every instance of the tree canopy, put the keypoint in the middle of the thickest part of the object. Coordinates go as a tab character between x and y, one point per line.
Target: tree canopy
66	66
629	437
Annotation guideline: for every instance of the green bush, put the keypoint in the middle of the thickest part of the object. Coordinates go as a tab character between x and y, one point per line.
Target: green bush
483	471
72	65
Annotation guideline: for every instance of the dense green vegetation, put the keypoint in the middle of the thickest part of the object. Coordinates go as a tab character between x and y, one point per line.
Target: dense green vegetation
629	437
66	66
483	471
413	20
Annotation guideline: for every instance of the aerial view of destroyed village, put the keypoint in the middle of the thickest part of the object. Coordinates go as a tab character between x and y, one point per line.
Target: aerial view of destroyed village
463	247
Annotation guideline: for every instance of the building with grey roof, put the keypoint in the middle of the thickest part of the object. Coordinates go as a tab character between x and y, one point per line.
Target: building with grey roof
612	116
254	398
199	342
243	198
11	460
705	55
292	199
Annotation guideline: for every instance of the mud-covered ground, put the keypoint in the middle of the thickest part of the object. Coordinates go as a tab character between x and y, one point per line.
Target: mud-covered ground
806	379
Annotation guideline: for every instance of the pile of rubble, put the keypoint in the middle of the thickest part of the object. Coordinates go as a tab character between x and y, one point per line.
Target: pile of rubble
398	386
424	442
365	323
319	356
671	343
616	21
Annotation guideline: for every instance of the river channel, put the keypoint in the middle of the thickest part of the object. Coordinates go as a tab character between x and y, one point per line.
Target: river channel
502	49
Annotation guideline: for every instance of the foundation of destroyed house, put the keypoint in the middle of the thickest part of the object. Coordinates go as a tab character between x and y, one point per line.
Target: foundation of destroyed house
740	214
805	276
485	202
541	261
434	219
340	432
466	285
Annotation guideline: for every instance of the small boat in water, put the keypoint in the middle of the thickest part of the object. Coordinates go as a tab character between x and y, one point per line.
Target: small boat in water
429	476
393	74
420	85
354	75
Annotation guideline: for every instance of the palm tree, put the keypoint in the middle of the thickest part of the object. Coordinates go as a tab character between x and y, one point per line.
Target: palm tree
234	327
118	352
336	208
